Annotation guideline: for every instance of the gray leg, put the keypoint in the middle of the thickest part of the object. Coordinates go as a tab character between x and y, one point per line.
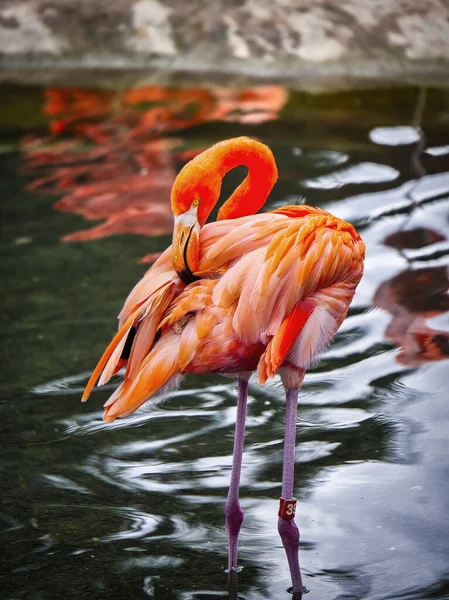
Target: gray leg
286	524
233	510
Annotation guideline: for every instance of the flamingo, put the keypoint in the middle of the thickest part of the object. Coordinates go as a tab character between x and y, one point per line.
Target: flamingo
249	292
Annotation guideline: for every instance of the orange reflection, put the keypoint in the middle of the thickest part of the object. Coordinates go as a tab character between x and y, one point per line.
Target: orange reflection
411	298
255	105
108	153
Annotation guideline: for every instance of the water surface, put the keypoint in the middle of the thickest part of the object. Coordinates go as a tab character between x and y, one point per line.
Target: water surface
135	509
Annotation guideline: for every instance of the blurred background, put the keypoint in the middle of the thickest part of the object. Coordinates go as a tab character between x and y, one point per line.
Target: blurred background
102	103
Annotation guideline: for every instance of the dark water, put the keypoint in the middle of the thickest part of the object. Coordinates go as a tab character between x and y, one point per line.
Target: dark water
135	509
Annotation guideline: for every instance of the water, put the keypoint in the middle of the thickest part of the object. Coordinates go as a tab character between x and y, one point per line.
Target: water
135	509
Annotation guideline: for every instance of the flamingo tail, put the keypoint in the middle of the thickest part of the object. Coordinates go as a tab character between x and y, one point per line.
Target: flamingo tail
141	324
159	371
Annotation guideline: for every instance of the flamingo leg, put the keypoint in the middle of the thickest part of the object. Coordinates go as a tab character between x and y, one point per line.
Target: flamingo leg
233	510
286	524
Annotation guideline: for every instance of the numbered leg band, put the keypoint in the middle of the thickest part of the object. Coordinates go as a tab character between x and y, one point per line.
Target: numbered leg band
287	508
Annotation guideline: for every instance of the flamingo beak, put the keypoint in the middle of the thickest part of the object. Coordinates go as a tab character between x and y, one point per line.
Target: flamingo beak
186	245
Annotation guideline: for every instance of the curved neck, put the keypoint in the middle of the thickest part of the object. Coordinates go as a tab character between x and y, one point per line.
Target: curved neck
197	188
202	177
252	193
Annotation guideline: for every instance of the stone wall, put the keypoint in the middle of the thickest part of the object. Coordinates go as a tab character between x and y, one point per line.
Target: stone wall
306	44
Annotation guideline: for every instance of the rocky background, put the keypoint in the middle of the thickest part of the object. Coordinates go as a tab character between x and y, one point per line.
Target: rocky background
305	44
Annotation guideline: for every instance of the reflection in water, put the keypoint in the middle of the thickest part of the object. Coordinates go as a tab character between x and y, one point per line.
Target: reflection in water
135	510
114	162
411	298
414	295
419	237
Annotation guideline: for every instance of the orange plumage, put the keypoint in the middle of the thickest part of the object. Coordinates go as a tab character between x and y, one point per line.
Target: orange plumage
248	292
276	288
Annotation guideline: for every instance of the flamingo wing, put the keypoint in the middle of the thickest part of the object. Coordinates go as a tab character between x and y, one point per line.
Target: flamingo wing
287	297
138	322
223	243
284	339
286	287
304	256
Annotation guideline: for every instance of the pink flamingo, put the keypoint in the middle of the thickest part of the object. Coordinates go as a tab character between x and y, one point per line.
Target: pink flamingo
248	292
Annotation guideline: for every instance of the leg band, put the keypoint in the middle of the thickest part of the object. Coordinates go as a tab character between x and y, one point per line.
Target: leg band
287	508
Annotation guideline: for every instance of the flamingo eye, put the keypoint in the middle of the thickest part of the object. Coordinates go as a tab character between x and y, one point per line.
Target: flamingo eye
195	202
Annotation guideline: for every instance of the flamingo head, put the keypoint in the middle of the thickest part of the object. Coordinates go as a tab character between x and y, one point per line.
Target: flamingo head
197	189
194	195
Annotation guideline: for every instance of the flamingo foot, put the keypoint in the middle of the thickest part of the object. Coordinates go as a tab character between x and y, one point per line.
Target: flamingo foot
234	519
233	586
233	510
289	533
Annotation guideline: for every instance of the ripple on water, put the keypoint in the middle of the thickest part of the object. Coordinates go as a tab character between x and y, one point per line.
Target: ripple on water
394	136
362	173
145	495
139	525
